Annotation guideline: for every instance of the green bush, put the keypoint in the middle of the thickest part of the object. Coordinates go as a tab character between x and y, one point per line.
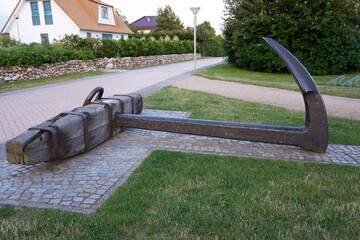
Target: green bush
6	42
208	43
324	35
73	47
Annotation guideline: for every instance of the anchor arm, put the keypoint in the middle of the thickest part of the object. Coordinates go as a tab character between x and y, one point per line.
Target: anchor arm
312	136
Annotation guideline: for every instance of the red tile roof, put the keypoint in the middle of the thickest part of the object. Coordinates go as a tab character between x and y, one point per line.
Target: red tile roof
7	22
84	13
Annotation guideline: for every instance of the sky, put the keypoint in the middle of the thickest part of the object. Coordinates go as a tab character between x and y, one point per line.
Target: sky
210	10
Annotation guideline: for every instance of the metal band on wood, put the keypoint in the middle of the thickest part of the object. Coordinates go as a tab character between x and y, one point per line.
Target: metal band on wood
118	99
111	116
85	125
55	140
132	100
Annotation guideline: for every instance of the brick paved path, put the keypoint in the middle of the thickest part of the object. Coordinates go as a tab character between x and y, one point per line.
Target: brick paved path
83	182
23	109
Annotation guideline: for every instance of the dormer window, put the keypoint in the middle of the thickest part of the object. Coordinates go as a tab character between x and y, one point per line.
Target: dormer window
106	15
104	12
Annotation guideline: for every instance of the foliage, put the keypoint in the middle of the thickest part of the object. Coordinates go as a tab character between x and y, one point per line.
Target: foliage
209	43
73	47
6	42
181	34
124	19
324	35
167	20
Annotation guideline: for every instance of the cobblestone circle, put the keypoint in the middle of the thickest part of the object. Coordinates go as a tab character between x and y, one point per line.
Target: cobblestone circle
83	182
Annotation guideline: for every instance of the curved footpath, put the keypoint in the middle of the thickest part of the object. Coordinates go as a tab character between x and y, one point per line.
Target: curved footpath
335	106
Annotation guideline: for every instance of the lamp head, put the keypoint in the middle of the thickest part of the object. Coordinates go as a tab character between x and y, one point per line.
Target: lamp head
195	10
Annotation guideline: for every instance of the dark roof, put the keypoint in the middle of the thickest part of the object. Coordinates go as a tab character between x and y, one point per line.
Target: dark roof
146	22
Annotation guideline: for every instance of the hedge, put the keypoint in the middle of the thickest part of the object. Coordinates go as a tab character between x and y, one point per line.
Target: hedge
75	48
324	34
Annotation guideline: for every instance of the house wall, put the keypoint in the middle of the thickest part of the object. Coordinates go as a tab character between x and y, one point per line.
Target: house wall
115	36
29	33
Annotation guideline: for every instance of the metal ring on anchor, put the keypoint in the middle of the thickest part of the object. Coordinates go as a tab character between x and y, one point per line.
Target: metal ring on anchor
98	90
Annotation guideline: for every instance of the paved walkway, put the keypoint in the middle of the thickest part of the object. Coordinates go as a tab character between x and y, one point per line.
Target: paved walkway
335	106
23	109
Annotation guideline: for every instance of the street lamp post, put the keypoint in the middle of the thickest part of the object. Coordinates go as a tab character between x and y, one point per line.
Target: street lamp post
17	24
195	10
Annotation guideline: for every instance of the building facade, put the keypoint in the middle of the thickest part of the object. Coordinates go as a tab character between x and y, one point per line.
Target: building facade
44	21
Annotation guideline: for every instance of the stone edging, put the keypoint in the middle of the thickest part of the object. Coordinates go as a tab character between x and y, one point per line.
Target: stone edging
19	73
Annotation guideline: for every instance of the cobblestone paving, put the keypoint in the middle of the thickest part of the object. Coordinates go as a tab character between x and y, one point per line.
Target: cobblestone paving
83	182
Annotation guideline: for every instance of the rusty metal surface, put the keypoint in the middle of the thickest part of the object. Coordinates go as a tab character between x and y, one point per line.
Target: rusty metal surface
54	138
98	90
312	136
131	96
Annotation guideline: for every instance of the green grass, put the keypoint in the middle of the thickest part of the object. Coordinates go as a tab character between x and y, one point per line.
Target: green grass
227	72
214	107
176	195
13	86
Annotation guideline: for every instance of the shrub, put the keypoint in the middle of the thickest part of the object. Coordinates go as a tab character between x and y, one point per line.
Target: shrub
323	34
6	42
73	47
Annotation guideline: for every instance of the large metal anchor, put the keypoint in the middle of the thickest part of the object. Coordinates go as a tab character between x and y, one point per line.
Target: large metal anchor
313	136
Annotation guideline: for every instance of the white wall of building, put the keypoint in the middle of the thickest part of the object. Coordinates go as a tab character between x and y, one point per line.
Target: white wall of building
29	33
115	36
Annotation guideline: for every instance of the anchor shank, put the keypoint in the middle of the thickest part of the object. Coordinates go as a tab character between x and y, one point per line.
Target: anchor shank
229	130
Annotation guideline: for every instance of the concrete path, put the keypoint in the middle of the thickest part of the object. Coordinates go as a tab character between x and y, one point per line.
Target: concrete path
335	106
23	109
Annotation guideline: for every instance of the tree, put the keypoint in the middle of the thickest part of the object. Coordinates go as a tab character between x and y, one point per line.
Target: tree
209	43
323	34
124	19
167	20
204	31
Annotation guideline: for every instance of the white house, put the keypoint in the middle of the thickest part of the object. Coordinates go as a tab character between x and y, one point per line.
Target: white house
38	21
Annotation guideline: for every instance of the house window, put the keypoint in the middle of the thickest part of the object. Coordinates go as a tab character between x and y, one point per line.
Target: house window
35	13
122	36
44	38
104	12
148	19
107	36
88	35
48	13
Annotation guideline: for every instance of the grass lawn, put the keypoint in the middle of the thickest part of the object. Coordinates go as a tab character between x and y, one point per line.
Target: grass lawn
12	86
227	72
176	195
214	107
